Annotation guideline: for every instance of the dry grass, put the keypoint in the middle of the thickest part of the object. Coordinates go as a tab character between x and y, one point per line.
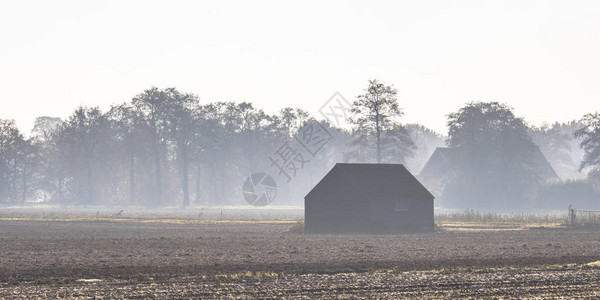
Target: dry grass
493	218
589	219
149	220
595	264
296	228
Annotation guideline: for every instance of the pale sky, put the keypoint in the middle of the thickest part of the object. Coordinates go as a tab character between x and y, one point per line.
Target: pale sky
540	57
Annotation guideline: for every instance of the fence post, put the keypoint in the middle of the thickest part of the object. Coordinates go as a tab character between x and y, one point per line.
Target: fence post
571	215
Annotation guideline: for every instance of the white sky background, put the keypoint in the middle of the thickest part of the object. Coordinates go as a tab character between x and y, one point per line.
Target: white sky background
540	57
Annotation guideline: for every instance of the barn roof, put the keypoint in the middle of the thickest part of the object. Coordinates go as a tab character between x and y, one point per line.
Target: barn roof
544	168
374	181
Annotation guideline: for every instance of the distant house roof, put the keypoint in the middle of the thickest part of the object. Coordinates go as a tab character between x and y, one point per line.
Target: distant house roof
442	162
374	180
445	163
544	169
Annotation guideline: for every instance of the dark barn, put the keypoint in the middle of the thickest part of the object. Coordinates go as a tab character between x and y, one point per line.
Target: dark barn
368	198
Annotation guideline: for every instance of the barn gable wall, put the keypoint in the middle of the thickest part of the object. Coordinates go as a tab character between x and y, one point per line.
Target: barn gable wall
334	207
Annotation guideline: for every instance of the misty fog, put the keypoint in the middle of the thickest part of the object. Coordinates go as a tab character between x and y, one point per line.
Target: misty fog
166	148
299	149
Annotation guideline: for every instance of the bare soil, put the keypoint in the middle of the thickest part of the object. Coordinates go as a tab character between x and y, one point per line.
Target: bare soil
135	259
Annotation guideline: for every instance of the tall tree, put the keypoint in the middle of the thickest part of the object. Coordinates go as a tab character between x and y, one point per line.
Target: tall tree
376	120
589	134
183	120
130	140
258	135
290	120
44	126
86	137
225	151
48	136
152	104
497	157
14	151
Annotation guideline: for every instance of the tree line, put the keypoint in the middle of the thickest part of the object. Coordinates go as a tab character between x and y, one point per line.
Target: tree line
165	147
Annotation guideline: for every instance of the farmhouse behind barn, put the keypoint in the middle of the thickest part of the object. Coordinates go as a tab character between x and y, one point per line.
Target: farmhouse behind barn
445	164
368	198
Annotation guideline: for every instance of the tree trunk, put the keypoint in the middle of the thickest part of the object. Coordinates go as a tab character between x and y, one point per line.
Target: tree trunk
25	184
184	175
222	183
90	186
214	185
378	134
158	198
198	184
13	188
132	179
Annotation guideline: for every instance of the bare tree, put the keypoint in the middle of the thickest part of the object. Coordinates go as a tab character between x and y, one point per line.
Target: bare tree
376	120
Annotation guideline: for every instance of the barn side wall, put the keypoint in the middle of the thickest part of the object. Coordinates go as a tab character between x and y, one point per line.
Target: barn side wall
356	214
418	217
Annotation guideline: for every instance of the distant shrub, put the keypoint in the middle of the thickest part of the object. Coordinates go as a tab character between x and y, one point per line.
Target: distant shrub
559	195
